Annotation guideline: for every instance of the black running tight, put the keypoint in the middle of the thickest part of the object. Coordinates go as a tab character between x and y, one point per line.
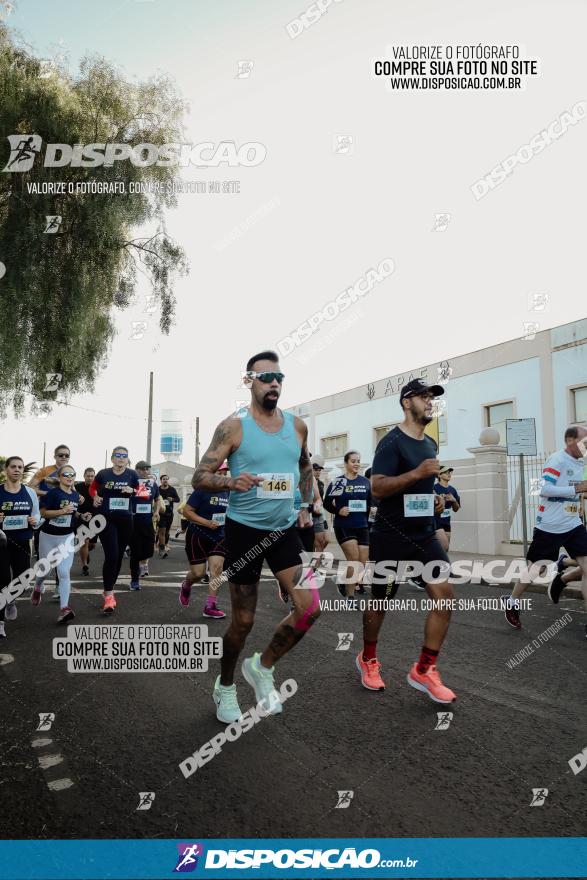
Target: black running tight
115	538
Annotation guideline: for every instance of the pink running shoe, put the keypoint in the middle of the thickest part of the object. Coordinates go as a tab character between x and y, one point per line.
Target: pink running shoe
185	592
370	674
65	614
210	610
430	683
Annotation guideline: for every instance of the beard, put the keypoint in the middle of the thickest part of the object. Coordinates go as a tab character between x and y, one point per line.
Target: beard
424	419
269	403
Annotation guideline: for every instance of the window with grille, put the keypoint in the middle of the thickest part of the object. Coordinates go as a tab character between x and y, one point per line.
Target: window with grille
334	447
579	396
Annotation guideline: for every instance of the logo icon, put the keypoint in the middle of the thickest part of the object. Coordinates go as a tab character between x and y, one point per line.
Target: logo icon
24	148
339	486
137	329
344	641
530	330
537	302
370	391
53	222
52	381
2	270
188	857
244	69
314	569
438	408
146	799
46	719
441	222
240	409
343	144
536	484
444	719
444	371
344	800
539	795
150	304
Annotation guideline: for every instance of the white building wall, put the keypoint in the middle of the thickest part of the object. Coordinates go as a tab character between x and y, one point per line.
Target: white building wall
569	367
359	422
465	399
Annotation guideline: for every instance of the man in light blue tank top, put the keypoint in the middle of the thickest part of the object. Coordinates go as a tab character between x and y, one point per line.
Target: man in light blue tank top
268	459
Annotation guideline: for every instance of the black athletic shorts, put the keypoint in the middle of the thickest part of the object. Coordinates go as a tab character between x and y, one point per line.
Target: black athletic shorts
307	538
165	521
199	545
546	545
386	547
246	548
361	536
439	524
142	540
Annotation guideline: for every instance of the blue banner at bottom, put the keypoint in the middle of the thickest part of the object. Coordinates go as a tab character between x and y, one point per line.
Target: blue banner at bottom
304	858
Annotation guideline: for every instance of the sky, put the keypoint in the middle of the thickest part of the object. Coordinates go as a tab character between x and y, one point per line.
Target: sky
311	219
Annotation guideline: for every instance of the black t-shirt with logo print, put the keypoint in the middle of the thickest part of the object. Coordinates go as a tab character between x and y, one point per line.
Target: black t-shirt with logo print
170	497
109	486
409	513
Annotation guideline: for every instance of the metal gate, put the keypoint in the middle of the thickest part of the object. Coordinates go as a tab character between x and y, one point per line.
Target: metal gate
533	465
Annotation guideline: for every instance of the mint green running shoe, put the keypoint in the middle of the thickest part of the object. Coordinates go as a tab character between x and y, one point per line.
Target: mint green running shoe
261	680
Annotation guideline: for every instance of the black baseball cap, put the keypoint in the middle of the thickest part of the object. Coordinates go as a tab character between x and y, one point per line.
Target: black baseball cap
416	386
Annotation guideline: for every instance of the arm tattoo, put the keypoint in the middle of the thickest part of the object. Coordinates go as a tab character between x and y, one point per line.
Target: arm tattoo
306	476
306	483
205	477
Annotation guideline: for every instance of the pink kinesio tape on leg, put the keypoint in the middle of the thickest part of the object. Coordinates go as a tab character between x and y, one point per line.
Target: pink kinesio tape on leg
302	624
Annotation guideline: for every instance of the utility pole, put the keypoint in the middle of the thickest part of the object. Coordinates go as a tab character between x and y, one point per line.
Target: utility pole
150	419
197	440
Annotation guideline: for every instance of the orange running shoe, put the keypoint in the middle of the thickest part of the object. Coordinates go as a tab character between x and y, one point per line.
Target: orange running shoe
430	683
369	672
109	604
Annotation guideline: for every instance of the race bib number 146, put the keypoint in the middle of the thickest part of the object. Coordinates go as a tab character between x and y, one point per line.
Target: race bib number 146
275	486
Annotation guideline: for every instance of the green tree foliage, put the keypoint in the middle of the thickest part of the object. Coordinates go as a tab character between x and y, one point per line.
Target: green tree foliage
60	293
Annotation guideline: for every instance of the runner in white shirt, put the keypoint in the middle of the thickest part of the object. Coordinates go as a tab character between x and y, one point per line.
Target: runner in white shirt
558	523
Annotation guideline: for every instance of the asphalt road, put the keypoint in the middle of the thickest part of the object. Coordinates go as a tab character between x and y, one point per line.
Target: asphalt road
115	735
